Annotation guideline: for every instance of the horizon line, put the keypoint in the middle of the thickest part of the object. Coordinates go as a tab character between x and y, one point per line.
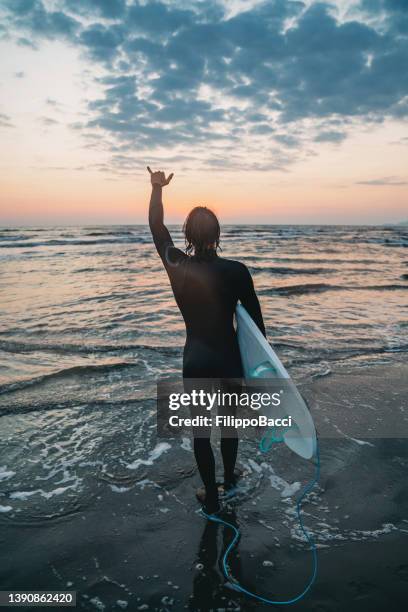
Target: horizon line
174	224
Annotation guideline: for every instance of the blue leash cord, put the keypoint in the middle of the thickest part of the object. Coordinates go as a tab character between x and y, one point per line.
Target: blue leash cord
238	587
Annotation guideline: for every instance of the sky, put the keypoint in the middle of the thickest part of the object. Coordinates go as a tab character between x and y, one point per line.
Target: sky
268	112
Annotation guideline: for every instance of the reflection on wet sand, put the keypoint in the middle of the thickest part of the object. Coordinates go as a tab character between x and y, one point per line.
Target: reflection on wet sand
211	590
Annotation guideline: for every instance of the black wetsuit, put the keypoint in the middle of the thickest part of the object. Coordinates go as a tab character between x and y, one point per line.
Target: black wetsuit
207	291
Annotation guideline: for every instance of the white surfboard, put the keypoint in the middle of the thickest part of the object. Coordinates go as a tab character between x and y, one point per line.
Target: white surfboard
259	360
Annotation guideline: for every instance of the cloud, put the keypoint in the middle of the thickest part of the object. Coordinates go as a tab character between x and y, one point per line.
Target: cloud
330	136
5	121
389	181
51	102
48	121
32	17
109	9
22	41
101	41
287	139
157	18
189	76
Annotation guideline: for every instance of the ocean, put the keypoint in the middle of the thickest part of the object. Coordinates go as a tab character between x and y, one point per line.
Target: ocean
87	324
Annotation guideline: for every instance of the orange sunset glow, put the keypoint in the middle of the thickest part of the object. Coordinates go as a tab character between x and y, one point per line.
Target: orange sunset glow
270	133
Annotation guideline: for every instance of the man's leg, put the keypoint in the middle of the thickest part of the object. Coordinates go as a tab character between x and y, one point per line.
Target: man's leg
203	452
229	451
206	466
229	434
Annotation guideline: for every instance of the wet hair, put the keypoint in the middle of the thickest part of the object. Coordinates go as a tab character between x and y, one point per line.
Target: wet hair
202	233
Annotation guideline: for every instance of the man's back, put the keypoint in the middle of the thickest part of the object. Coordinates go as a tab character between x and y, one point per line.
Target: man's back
207	293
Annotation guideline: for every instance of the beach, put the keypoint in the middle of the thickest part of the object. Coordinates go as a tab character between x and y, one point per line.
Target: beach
91	500
143	542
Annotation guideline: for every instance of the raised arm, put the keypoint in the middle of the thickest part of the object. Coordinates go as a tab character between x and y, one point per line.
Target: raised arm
160	233
249	299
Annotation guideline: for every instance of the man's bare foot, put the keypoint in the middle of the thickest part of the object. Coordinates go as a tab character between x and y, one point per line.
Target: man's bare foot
211	504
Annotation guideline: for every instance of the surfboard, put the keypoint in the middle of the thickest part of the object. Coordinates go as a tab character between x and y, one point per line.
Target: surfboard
259	360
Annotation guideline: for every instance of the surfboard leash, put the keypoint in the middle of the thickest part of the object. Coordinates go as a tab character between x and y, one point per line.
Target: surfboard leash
234	583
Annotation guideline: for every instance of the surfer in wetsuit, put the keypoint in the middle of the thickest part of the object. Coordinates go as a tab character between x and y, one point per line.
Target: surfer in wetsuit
206	288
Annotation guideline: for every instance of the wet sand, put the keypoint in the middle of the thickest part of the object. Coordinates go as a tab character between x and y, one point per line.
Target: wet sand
122	556
146	548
